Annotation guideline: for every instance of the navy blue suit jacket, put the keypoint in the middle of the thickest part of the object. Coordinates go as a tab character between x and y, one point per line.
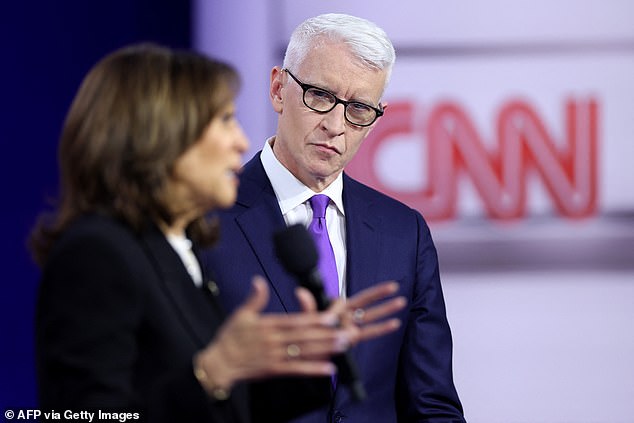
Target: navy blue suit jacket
407	374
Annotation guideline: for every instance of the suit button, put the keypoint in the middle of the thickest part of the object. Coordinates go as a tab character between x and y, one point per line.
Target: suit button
213	288
338	417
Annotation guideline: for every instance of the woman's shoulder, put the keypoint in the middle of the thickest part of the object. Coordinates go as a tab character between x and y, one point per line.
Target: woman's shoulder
94	235
96	228
99	253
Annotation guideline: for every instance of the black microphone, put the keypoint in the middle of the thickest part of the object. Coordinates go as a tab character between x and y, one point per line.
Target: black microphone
297	252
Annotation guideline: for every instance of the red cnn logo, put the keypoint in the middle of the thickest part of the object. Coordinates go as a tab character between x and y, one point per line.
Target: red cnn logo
567	169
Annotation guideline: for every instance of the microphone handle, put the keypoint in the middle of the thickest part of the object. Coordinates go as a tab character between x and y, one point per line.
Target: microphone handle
348	373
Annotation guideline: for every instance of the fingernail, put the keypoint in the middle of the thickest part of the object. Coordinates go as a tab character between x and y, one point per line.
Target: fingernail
330	368
342	343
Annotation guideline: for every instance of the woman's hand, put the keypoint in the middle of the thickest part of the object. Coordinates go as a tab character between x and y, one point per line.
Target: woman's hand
252	345
362	315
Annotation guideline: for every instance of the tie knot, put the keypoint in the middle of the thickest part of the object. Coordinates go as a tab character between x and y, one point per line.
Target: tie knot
319	203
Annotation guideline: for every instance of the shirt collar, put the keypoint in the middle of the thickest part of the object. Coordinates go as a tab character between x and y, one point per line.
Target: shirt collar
289	190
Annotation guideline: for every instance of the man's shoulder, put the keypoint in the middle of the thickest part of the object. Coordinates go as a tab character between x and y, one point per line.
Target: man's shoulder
253	178
361	192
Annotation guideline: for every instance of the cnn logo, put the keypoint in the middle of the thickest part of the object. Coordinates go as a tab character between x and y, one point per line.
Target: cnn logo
499	170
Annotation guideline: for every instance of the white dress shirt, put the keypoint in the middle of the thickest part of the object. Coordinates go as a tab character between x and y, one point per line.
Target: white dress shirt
293	197
183	246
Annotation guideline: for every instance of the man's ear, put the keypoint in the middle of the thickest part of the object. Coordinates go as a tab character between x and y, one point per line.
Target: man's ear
275	89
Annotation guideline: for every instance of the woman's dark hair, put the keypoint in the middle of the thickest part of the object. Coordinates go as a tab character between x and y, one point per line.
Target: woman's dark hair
135	113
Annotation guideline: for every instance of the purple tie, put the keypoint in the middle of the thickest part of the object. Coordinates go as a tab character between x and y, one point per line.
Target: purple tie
319	231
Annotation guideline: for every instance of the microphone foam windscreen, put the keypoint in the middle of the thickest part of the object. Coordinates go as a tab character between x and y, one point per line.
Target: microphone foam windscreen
295	248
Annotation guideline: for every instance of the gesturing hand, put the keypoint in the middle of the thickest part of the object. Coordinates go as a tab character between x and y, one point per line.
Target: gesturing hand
253	345
365	311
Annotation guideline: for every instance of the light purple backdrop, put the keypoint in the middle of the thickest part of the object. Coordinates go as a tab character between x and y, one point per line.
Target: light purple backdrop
541	306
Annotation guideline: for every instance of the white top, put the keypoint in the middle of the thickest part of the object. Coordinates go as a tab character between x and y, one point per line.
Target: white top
293	197
183	246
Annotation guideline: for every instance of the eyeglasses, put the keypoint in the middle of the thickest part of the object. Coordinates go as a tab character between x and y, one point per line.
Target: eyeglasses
323	101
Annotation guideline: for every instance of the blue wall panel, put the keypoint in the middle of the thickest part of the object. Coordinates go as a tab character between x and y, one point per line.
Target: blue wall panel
46	48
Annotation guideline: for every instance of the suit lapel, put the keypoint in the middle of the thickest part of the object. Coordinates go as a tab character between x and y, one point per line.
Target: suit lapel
262	217
363	237
259	221
193	308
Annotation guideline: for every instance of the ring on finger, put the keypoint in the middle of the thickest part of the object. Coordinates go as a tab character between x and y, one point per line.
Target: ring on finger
358	315
293	350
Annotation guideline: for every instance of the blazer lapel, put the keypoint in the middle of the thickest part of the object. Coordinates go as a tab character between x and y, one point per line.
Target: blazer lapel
193	308
259	221
363	237
262	217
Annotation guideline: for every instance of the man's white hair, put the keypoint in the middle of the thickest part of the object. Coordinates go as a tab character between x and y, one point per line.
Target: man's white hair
367	41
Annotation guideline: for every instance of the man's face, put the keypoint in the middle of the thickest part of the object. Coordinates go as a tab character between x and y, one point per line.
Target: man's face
313	146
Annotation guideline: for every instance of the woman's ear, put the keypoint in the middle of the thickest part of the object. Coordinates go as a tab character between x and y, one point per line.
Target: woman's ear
275	89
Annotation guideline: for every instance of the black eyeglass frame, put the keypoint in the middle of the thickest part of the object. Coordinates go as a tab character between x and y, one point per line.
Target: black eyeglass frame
305	87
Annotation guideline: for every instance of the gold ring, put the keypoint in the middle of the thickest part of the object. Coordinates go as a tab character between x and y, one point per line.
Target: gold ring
293	351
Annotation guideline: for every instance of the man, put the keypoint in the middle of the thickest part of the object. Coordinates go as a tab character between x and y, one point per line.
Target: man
327	97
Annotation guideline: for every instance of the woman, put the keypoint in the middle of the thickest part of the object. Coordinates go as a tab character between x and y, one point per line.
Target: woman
127	322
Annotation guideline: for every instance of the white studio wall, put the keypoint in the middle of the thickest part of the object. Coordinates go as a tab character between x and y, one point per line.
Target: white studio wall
509	126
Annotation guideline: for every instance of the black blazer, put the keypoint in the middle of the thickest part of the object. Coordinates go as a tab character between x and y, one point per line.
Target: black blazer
118	322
